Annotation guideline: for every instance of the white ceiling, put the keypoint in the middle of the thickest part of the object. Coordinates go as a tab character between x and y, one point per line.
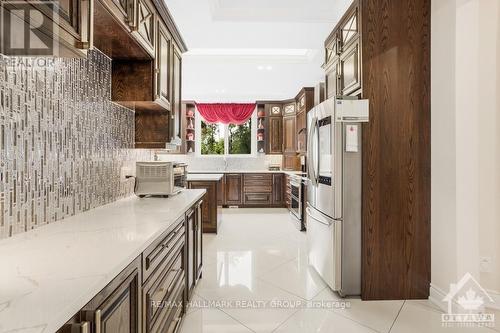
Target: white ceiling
248	50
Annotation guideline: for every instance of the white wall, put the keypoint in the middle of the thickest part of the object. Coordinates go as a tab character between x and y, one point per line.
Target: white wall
262	33
443	186
465	142
489	139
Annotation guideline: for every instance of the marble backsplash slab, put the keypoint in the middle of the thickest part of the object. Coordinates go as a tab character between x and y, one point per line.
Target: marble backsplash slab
218	163
62	141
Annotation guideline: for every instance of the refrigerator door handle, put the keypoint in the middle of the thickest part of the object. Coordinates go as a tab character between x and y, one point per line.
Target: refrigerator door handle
320	220
319	152
310	169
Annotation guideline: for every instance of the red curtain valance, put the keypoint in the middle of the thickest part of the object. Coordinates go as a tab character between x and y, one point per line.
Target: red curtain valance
226	113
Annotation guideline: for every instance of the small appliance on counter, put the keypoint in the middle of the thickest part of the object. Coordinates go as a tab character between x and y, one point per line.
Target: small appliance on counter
160	178
274	167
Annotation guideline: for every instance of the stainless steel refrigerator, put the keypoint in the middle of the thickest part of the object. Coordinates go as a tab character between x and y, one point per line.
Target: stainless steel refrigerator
334	170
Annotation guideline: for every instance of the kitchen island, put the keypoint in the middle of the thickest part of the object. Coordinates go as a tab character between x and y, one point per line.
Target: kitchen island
68	270
211	212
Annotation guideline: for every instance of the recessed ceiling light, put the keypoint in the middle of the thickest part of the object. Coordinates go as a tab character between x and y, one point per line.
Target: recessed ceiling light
269	67
260	68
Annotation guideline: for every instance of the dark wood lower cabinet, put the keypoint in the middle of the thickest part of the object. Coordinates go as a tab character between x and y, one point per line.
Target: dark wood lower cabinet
278	190
194	242
220	192
191	245
210	212
257	199
150	295
232	189
117	308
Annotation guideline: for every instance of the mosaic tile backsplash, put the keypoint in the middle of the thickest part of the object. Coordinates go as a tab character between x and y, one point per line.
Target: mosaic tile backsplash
62	141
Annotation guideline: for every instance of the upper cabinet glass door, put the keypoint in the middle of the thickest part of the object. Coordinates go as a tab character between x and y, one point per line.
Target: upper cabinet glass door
350	28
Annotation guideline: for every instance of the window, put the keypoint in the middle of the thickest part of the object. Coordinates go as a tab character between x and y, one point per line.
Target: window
220	139
212	139
240	138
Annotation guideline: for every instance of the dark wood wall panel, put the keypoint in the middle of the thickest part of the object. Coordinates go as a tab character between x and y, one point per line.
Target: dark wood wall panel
396	157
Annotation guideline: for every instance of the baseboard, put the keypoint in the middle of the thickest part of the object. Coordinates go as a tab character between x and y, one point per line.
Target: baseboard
496	299
437	295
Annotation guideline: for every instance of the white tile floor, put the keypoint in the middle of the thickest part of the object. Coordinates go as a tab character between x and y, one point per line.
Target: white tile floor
255	277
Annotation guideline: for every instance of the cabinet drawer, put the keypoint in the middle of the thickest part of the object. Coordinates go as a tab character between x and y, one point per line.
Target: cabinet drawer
163	249
257	199
160	294
258	189
258	177
265	182
175	318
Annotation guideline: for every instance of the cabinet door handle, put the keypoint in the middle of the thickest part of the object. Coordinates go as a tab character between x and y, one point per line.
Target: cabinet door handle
98	321
83	327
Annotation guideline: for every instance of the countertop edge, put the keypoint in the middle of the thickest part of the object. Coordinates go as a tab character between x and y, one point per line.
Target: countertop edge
80	300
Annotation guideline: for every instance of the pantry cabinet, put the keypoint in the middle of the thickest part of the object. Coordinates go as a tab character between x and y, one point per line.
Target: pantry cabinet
364	58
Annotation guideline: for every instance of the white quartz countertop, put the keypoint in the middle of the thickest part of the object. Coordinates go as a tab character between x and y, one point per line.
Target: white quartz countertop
243	171
204	177
47	275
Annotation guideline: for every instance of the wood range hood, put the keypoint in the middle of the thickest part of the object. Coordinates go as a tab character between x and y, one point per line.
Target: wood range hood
146	51
131	44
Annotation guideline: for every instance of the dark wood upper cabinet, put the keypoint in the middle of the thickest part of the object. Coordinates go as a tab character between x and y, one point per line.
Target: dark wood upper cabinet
127	9
332	78
176	93
69	14
289	134
349	30
302	132
350	70
305	102
274	110
162	71
291	162
233	189
289	109
275	135
74	20
145	24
